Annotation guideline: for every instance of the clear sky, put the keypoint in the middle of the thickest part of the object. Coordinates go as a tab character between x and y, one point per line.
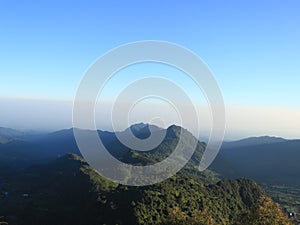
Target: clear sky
252	47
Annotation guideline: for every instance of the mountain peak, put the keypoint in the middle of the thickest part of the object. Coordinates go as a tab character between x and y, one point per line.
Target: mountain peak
143	130
174	131
138	126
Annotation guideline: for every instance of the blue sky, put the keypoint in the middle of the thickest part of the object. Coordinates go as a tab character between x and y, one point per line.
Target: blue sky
252	47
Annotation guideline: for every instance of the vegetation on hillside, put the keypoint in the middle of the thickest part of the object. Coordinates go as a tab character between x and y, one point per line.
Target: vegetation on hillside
265	212
69	189
72	191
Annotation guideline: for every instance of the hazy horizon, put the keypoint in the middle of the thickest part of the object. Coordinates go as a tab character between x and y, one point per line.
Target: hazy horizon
52	115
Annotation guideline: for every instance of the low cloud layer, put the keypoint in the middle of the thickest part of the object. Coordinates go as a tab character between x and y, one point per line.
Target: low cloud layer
241	121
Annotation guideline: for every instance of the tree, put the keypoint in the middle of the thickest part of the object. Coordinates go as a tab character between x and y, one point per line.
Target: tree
265	212
177	217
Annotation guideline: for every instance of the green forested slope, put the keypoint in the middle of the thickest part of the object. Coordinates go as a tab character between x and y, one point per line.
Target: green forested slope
68	191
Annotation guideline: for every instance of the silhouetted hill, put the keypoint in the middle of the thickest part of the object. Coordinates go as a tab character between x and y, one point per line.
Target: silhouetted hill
142	130
252	141
7	134
58	143
275	161
41	148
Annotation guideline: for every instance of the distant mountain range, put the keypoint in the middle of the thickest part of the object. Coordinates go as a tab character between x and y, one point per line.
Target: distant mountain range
269	160
252	141
7	134
265	159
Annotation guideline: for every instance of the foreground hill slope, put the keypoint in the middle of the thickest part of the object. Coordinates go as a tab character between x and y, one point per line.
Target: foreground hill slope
68	191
